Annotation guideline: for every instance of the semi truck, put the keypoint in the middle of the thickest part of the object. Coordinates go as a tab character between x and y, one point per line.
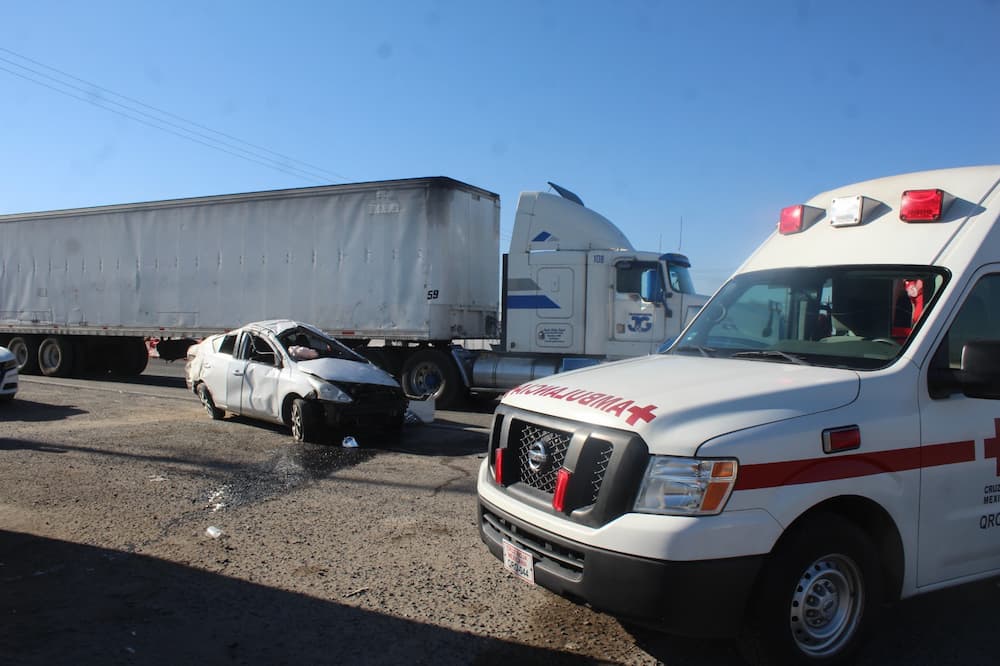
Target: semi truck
407	272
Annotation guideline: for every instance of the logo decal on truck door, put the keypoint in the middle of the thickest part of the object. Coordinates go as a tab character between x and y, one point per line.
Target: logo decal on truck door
641	322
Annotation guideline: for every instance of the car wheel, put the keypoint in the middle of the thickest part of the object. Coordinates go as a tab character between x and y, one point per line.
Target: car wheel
818	594
205	395
305	425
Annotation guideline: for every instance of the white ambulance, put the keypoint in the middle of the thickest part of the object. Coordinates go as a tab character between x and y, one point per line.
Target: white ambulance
823	438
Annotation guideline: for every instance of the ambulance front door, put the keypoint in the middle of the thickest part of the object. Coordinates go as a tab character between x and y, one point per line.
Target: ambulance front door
959	524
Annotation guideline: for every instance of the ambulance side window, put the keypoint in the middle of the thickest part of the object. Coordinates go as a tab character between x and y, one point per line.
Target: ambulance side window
978	319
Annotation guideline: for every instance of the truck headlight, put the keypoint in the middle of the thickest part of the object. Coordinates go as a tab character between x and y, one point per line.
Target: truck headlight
331	392
686	486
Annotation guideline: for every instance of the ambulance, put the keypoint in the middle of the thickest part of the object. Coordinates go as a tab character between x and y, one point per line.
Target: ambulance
822	439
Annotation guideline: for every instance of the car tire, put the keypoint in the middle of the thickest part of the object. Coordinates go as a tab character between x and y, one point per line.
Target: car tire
817	597
304	421
205	396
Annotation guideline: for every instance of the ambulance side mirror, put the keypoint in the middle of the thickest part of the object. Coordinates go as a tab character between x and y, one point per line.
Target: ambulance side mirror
980	375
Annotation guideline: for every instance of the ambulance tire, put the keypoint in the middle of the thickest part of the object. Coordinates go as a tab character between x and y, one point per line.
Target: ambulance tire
818	595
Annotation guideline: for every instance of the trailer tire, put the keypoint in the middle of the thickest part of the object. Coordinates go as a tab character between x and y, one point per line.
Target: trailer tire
432	372
25	350
817	596
303	420
56	356
129	358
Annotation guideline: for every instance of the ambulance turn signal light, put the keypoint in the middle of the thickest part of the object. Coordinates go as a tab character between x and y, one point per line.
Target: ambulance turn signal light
924	205
836	440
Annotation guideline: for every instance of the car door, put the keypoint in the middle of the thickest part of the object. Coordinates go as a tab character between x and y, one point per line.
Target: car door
959	528
235	371
215	369
261	373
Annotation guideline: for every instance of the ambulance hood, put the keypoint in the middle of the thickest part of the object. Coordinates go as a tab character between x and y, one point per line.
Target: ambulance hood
676	403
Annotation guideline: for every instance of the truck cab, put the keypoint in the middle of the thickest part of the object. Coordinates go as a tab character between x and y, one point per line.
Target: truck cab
827	439
573	285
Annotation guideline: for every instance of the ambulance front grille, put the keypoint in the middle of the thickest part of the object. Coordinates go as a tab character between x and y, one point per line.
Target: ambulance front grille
555	444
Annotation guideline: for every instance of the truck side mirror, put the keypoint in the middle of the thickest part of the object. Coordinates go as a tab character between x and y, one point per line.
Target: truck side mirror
980	374
650	288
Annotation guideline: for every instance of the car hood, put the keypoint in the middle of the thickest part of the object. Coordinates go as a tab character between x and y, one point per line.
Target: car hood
676	403
344	370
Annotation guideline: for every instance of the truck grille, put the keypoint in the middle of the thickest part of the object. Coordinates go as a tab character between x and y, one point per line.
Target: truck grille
555	443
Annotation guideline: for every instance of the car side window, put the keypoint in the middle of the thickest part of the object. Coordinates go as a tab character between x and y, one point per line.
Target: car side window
260	351
228	344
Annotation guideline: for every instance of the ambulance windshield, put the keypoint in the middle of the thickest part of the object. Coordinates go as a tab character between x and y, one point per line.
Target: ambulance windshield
858	317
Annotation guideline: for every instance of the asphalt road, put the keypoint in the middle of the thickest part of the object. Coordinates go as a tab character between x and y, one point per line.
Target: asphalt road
323	554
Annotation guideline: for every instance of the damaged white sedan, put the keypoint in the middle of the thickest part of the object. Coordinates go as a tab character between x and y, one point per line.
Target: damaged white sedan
291	373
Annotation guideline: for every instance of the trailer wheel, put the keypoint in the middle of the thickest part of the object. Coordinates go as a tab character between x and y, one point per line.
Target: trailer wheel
818	595
25	350
432	372
305	424
129	357
55	356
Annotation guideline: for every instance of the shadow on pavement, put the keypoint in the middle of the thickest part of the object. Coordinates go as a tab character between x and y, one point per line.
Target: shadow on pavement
954	626
67	603
29	411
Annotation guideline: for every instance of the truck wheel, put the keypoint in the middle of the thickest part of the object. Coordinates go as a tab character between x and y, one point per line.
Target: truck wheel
55	356
432	372
818	594
25	350
205	396
304	422
129	357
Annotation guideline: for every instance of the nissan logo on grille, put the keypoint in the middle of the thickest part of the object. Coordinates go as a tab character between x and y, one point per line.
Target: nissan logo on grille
538	456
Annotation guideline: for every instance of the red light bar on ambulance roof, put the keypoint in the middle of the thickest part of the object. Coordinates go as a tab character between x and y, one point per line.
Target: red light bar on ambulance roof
798	218
924	205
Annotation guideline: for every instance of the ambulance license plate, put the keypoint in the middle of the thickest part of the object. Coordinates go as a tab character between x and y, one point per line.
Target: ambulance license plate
519	562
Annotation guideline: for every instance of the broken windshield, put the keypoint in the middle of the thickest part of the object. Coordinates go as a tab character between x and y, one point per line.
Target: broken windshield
858	317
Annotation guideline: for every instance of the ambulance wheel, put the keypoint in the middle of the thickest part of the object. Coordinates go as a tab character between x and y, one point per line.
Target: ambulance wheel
432	372
305	424
819	593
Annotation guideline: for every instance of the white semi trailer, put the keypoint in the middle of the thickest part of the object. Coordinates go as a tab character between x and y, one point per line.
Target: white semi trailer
400	270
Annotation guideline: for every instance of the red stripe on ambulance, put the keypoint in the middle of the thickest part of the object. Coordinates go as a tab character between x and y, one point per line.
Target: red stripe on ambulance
815	470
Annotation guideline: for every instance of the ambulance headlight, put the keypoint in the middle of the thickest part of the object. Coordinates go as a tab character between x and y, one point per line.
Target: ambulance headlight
686	486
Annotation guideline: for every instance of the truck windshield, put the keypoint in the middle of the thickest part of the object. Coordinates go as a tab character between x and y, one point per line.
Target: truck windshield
679	276
858	317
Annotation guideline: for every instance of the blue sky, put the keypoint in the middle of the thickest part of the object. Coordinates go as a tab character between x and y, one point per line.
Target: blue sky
715	113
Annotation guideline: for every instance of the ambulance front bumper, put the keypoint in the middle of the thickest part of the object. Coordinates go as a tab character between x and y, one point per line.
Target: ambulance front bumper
705	598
